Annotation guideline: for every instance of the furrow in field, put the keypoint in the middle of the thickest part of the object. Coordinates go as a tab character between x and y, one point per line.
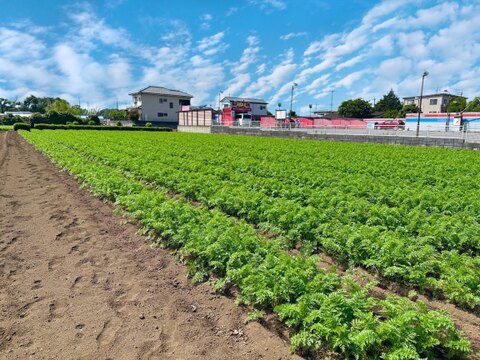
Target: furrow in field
396	257
326	310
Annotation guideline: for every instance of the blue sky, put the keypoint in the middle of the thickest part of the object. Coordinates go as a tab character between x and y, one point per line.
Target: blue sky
97	52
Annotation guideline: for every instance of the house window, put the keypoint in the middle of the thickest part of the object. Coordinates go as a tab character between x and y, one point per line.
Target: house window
162	114
263	107
433	101
171	105
161	100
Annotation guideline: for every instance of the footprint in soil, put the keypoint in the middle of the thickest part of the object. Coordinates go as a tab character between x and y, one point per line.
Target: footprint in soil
76	281
79	328
37	284
53	311
109	331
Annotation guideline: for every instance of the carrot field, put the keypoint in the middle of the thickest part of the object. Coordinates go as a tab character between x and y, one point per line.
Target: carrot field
257	214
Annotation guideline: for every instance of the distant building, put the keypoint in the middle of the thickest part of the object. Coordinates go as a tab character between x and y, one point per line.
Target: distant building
326	114
160	105
234	108
432	104
25	114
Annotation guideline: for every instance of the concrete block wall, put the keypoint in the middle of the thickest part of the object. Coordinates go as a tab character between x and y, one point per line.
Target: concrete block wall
375	139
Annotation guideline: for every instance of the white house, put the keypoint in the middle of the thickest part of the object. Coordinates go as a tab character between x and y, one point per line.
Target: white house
160	105
233	106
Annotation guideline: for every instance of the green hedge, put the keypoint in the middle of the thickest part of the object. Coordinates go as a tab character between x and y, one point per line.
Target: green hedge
21	126
98	127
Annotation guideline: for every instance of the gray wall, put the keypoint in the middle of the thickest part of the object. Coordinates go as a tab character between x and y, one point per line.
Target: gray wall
397	140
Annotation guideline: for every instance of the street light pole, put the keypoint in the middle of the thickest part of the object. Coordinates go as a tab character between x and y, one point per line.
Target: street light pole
425	74
219	93
291	100
331	101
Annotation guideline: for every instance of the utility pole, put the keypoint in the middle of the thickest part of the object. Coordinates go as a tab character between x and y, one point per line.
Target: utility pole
291	99
331	101
219	93
425	74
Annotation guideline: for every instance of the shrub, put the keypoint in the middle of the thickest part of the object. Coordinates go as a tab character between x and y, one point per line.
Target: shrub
21	126
93	120
11	119
99	127
133	114
54	117
119	123
38	118
148	124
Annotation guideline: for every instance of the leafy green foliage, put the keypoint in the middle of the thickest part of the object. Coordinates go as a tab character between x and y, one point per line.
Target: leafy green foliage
21	126
396	230
98	127
389	103
473	105
355	108
457	104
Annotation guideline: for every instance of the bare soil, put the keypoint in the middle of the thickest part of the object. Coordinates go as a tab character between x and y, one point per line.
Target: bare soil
77	282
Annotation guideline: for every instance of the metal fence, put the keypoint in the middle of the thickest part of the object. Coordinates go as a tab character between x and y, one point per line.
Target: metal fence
425	131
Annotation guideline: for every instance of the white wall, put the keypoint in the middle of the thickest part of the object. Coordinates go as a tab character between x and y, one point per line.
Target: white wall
151	106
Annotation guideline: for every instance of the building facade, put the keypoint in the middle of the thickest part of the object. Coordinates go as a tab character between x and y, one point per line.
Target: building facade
431	104
234	108
159	105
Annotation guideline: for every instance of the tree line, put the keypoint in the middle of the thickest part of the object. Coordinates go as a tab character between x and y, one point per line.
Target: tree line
56	110
391	107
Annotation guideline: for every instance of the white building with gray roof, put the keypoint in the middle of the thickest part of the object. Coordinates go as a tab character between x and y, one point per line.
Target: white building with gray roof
159	105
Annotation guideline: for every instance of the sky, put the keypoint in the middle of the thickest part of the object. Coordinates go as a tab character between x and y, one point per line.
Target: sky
96	53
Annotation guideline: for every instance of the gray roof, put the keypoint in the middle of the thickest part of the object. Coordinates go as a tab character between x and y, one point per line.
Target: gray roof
255	101
159	90
431	95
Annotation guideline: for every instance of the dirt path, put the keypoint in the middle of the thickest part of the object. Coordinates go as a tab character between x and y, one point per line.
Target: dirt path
76	282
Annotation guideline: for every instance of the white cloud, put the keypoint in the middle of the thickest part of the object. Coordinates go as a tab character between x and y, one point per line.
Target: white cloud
293	35
212	45
270	4
252	40
349	63
206	19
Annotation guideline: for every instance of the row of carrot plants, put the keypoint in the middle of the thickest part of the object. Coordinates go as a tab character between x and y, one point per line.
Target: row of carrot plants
428	239
324	310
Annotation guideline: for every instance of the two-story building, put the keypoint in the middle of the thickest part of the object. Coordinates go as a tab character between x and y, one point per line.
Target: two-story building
234	108
159	105
432	104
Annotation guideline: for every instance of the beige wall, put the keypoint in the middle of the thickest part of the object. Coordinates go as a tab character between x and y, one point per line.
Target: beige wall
151	106
428	106
195	118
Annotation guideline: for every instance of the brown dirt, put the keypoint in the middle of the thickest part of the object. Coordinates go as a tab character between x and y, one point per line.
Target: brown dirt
77	282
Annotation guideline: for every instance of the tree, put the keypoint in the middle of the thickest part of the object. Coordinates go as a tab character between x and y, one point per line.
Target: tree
355	108
3	104
292	113
59	106
389	102
474	105
133	114
408	109
457	104
36	104
391	114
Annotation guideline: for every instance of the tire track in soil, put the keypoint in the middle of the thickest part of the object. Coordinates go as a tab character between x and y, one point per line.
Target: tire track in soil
77	282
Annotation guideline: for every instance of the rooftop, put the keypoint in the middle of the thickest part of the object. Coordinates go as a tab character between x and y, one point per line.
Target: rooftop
255	101
159	90
434	95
